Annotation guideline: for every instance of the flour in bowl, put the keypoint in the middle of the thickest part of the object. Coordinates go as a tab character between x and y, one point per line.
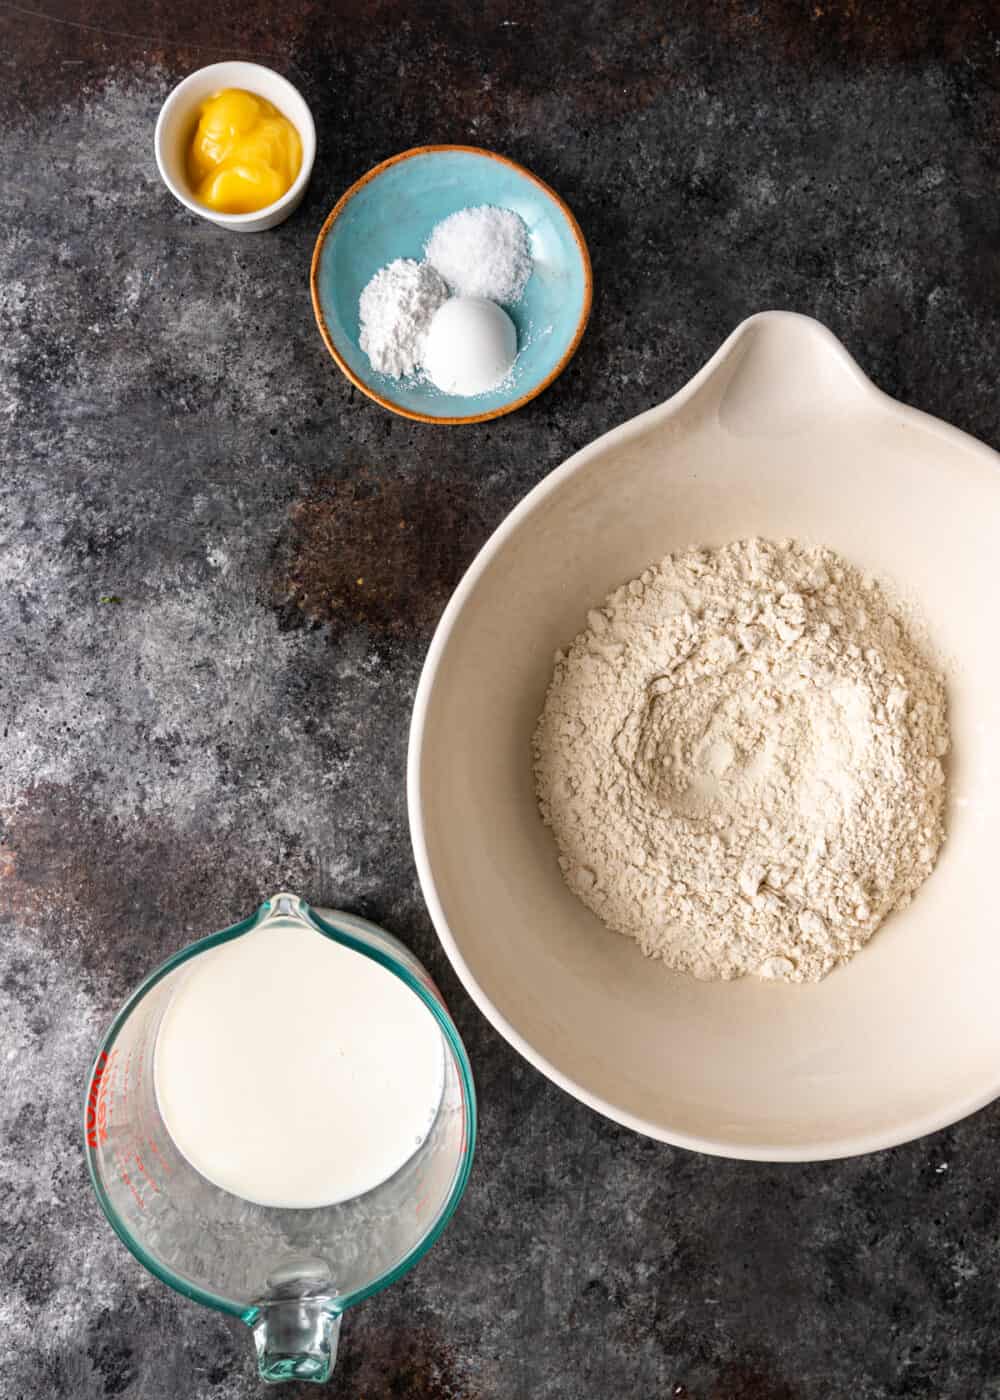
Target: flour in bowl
740	760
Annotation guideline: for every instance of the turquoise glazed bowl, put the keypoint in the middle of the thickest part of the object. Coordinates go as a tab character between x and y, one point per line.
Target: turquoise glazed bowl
390	213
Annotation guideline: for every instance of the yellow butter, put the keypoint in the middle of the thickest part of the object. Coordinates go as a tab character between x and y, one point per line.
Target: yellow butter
244	154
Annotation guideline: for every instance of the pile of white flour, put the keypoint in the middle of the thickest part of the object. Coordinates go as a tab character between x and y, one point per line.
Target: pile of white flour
740	759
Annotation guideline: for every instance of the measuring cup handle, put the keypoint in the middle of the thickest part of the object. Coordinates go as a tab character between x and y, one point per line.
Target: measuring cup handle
296	1339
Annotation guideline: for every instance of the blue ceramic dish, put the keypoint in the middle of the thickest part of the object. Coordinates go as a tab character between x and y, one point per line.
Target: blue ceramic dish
390	213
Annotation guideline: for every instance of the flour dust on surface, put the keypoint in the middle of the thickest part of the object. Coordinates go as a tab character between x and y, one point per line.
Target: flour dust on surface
740	760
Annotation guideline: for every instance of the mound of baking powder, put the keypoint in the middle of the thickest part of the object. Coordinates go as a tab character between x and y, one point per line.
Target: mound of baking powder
740	759
395	311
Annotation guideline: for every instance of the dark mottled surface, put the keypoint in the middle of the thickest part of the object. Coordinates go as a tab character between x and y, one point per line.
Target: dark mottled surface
174	435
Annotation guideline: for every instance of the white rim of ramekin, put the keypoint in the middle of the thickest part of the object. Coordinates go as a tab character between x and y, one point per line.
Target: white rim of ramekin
307	135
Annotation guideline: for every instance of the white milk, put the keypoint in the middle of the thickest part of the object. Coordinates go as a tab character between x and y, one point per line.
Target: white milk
292	1071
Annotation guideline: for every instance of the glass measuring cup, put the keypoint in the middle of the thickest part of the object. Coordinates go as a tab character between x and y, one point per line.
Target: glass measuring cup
289	1274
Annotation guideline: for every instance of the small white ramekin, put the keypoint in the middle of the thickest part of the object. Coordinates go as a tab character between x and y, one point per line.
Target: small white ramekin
175	124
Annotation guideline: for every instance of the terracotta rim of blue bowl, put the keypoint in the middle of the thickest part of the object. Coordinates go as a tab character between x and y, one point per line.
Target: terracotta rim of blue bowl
341	205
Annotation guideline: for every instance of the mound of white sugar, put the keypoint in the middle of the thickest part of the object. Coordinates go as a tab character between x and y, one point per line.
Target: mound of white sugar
482	252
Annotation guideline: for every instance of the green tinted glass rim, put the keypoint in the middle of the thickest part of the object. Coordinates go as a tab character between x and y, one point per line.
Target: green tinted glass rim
197	1294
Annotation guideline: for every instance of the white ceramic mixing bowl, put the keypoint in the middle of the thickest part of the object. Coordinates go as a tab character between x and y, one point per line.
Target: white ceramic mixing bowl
779	435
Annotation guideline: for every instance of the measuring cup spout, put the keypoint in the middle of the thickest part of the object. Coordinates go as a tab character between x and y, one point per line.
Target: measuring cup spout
296	1339
284	907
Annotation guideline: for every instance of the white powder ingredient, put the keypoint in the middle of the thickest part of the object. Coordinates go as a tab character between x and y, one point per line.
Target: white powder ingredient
396	309
740	759
471	346
482	252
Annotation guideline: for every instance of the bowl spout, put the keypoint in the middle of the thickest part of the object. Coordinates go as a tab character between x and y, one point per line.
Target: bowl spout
777	371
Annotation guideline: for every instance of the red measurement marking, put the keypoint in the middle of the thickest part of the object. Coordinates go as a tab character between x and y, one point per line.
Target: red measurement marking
97	1104
111	1078
142	1167
123	1173
163	1161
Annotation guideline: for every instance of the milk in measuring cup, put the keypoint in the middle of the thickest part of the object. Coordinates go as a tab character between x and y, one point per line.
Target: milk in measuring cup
292	1071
